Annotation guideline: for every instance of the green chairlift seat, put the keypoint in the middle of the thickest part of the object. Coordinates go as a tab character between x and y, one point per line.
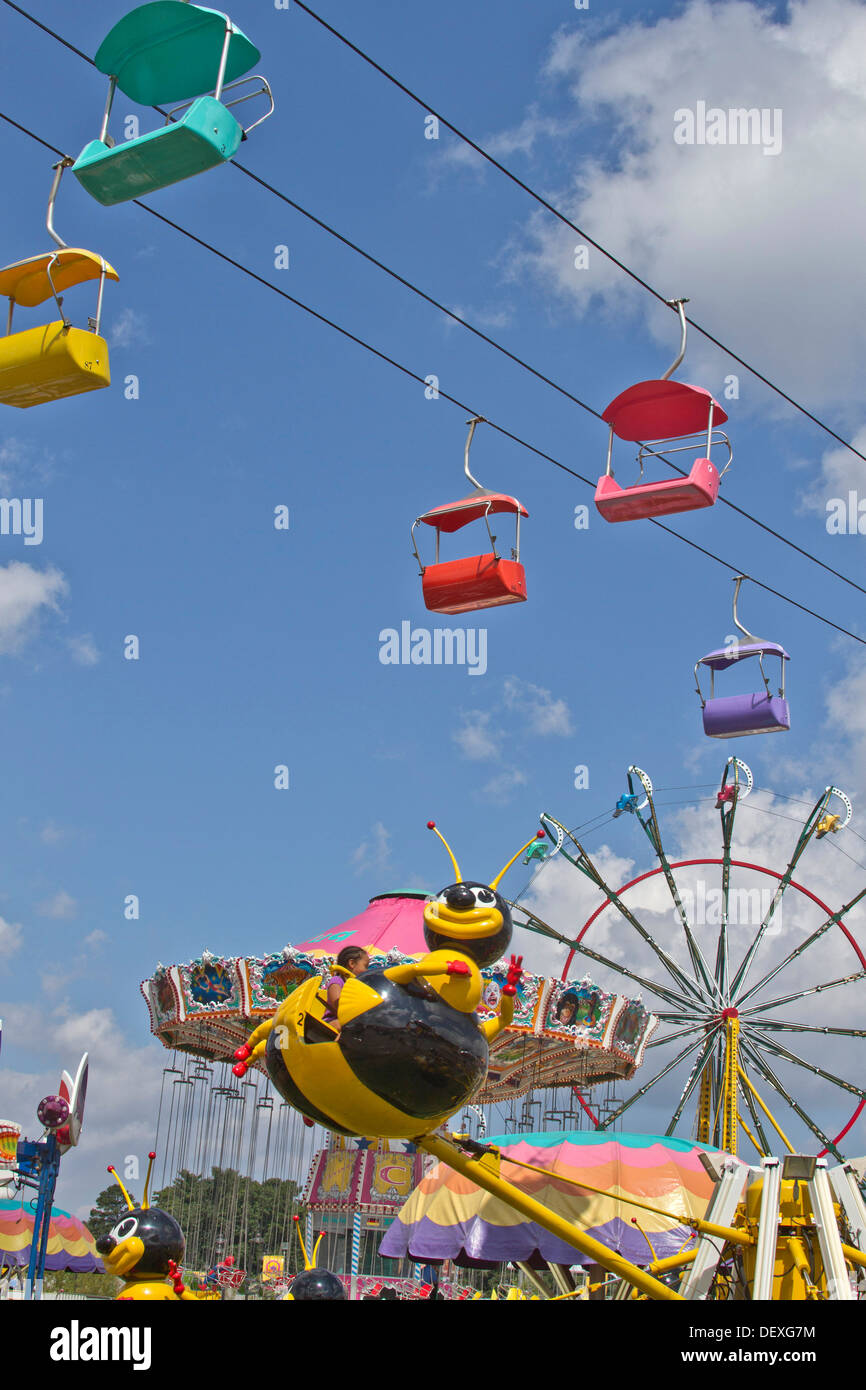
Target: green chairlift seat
170	51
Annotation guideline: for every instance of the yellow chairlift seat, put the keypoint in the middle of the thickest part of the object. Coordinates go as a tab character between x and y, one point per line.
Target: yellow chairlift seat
55	360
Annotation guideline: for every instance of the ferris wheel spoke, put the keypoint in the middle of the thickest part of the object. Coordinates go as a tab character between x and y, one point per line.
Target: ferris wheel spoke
798	951
809	826
586	866
766	1071
783	1026
779	1051
694	1074
683	1032
663	991
802	994
651	828
545	930
648	1085
687	1017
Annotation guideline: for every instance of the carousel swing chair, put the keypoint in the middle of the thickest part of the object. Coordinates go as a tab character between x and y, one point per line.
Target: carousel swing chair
735	716
170	51
56	360
478	581
660	415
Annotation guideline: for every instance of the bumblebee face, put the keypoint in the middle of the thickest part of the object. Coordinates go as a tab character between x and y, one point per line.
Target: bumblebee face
142	1242
471	918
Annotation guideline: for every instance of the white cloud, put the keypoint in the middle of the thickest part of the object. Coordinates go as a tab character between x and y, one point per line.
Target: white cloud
25	593
490	319
84	650
746	235
51	834
95	938
544	713
840	473
374	853
503	787
129	329
476	739
521	139
61	905
122	1097
10	939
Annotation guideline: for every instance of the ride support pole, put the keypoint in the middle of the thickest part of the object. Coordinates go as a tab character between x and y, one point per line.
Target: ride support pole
483	1172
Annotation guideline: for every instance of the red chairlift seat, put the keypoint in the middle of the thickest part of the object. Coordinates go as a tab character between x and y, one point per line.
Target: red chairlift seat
481	581
478	581
659	415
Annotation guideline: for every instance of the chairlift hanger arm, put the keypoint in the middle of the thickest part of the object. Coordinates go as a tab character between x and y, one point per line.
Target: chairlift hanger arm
677	304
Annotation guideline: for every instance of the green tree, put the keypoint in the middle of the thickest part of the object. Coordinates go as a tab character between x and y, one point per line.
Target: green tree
108	1210
83	1285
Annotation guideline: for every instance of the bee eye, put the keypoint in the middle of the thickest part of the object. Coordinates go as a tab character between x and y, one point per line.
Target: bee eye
125	1228
484	895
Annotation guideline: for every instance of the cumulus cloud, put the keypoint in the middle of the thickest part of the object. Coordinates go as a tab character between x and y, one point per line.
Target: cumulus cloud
61	905
122	1097
840	473
52	834
84	650
476	738
544	713
747	236
538	713
373	853
25	593
502	787
10	939
129	330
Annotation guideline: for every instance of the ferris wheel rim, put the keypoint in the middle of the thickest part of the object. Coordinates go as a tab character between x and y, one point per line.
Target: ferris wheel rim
735	863
739	864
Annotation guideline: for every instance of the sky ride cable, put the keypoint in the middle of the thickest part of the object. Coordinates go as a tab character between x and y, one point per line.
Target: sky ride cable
561	217
406	371
487	338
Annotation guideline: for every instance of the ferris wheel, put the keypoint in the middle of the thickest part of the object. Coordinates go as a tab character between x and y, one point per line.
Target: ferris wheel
757	983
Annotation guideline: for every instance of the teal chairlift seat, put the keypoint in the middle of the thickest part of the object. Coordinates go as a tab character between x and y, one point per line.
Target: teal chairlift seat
170	51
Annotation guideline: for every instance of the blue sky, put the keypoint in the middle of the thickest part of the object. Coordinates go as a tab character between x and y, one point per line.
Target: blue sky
261	647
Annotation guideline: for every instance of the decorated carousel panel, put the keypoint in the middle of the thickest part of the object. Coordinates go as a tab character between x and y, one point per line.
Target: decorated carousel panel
564	1032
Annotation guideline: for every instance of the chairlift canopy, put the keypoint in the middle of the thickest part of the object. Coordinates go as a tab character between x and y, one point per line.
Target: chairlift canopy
169	50
662	410
454	515
27	282
721	659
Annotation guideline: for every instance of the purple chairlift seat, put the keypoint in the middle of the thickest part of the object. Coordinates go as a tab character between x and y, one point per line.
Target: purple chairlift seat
735	716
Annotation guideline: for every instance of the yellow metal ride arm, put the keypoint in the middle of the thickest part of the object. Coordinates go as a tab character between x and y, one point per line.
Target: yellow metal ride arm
484	1171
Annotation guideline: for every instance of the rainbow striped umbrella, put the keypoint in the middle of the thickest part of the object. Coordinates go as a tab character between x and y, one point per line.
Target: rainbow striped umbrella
70	1244
448	1218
